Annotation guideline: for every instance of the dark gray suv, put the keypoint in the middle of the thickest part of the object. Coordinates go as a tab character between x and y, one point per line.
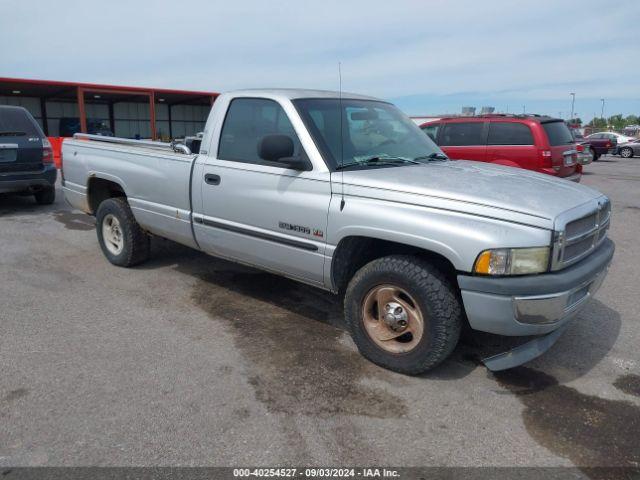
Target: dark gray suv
26	156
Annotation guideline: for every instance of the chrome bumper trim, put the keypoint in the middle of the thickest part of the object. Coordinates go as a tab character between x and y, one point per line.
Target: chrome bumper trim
546	309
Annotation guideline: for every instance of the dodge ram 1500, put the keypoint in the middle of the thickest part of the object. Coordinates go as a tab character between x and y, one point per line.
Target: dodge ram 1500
347	194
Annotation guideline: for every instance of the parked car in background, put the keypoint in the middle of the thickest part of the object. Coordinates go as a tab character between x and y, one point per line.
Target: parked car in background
68	126
601	143
632	131
541	144
628	149
618	137
586	154
26	157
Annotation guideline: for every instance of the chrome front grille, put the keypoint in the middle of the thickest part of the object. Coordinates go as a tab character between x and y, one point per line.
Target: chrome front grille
575	250
581	236
582	225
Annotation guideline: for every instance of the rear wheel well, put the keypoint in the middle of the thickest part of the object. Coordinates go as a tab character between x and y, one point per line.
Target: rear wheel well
100	190
352	253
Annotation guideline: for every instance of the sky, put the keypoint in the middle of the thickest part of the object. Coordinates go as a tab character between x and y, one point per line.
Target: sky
429	57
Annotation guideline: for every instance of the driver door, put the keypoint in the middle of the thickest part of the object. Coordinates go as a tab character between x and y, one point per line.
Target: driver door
257	211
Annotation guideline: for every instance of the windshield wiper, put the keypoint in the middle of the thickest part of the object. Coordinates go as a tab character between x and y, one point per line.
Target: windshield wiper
433	156
378	161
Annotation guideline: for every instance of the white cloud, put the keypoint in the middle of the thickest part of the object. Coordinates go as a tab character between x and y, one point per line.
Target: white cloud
540	49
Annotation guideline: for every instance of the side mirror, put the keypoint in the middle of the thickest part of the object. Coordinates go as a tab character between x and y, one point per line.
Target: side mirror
274	147
279	149
180	148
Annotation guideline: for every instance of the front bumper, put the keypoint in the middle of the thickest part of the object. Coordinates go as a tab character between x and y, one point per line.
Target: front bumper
21	181
533	304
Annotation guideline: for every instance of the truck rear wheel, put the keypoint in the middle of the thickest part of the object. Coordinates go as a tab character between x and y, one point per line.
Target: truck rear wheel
403	314
121	239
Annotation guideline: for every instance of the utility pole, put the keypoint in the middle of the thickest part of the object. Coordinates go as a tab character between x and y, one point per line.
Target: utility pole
573	101
524	109
602	109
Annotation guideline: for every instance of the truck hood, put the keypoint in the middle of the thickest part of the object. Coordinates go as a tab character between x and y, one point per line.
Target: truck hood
497	191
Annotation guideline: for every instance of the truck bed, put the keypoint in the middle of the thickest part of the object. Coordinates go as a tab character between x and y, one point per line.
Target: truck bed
156	179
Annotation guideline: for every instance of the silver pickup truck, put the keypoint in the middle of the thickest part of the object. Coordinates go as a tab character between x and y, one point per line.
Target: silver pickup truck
345	193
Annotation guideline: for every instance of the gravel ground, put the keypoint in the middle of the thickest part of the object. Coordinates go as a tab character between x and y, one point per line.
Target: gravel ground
189	360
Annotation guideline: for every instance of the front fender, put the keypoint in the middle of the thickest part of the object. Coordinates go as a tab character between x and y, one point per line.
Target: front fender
403	237
458	237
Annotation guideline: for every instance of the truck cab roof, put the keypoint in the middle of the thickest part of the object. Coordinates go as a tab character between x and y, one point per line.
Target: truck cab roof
295	93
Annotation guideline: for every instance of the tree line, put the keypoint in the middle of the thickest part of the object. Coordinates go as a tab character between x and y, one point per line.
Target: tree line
616	122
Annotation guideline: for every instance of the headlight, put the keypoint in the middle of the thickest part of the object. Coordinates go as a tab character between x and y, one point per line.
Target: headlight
512	261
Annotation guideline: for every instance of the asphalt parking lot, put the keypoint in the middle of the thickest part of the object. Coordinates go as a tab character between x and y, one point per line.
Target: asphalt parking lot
189	360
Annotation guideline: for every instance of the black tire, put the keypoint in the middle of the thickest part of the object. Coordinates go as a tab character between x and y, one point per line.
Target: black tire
135	242
626	152
435	296
46	196
596	156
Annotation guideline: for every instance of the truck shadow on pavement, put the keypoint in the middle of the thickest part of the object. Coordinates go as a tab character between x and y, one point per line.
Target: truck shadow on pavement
296	354
304	320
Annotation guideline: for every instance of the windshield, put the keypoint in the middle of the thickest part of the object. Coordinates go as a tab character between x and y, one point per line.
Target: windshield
374	134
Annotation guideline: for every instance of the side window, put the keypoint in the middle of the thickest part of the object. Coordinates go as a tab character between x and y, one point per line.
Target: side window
461	134
431	130
248	120
507	133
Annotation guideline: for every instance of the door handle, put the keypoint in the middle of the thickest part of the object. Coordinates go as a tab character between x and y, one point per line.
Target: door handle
212	179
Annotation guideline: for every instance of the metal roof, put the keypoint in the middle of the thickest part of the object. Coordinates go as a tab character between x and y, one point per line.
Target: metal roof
68	91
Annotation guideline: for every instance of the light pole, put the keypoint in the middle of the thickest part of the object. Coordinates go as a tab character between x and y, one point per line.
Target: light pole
602	109
573	101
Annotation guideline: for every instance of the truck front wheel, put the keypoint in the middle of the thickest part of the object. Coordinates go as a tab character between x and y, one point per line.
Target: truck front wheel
403	314
121	239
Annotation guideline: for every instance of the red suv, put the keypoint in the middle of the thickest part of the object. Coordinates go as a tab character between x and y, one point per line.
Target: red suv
541	144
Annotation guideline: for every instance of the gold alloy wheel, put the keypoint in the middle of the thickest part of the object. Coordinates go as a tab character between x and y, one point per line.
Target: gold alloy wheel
392	319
